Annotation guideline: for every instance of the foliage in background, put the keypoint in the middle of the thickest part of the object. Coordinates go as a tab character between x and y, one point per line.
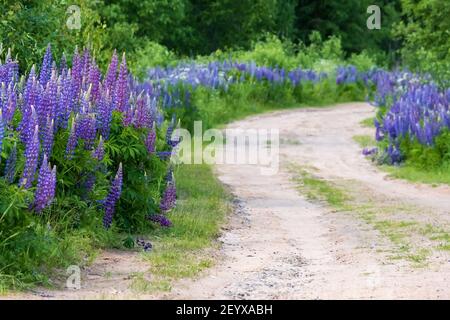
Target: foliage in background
191	27
425	35
27	27
347	20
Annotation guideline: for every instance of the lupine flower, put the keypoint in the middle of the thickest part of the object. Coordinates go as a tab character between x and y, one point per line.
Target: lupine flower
48	104
77	74
47	137
121	87
110	79
164	155
45	190
151	140
104	114
46	67
10	168
65	101
2	130
113	196
99	152
146	245
73	140
369	152
162	220
30	121
85	129
89	182
169	197
418	112
31	159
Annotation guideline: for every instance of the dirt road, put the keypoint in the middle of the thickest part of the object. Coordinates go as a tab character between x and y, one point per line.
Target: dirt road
280	244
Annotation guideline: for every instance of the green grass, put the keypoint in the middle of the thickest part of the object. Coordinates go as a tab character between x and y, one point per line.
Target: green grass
368	123
364	141
417	175
319	189
184	250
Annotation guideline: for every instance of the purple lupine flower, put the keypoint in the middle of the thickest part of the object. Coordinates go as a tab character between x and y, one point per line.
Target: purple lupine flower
29	122
129	116
113	196
45	189
73	140
47	137
31	159
121	88
99	152
28	98
2	130
46	67
89	182
52	192
85	63
169	133
8	101
162	220
164	155
150	141
169	175
85	129
48	102
10	168
77	74
65	101
110	79
94	80
369	152
169	197
11	105
104	114
146	245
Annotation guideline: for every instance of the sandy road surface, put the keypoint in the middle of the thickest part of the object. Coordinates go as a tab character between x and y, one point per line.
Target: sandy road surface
281	245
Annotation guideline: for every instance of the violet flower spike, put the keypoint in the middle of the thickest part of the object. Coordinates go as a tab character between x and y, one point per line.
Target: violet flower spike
150	141
168	200
73	140
45	190
99	152
2	131
10	168
111	199
46	67
31	160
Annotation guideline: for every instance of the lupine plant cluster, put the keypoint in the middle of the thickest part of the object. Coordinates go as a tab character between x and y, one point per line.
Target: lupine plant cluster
68	131
175	84
220	74
413	120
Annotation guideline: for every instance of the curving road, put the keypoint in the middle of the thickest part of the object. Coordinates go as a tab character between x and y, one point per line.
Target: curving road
280	245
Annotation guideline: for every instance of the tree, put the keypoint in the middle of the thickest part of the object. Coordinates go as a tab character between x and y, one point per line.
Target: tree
425	34
347	19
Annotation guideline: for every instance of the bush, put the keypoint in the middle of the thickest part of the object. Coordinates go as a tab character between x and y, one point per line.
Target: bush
151	54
